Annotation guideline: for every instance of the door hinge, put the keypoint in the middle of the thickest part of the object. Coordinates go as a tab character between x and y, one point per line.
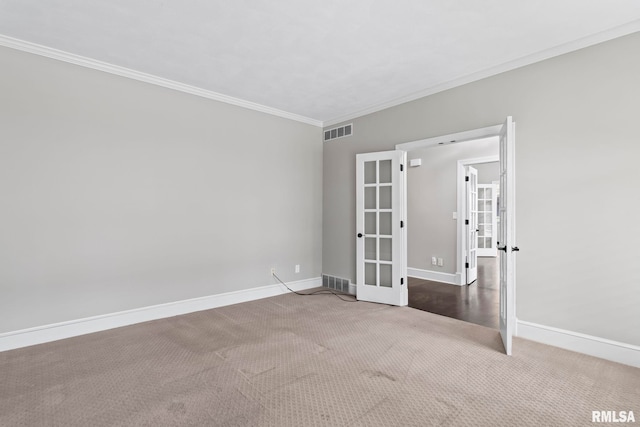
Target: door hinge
401	224
401	167
466	222
466	265
466	178
402	280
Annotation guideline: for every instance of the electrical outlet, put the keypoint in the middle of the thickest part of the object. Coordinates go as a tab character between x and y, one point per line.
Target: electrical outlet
434	261
297	268
440	262
273	271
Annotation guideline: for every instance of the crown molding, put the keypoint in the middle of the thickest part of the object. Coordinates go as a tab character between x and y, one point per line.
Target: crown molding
584	42
82	61
623	30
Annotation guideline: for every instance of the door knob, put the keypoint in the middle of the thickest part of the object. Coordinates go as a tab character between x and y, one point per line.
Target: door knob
359	235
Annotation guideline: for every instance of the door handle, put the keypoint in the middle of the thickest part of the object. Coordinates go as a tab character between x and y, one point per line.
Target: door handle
502	248
359	235
515	249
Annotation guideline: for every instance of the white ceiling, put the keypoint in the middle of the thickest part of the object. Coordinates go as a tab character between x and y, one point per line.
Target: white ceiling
321	59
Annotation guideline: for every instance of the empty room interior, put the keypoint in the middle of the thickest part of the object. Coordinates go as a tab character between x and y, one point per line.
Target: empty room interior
319	213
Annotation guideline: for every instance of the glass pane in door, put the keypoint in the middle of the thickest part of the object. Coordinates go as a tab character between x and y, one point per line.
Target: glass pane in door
385	197
370	198
370	250
370	172
386	278
370	275
385	249
370	223
385	223
385	171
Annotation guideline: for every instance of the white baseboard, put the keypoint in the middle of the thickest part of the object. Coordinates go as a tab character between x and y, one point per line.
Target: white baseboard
615	351
353	289
72	328
436	276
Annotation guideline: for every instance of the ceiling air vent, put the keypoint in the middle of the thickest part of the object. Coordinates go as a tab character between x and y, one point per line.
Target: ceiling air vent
340	132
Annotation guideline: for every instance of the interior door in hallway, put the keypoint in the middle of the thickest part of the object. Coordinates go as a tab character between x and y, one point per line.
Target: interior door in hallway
487	220
471	222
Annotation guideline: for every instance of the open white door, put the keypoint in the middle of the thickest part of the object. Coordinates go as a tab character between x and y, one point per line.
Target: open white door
507	236
471	223
380	241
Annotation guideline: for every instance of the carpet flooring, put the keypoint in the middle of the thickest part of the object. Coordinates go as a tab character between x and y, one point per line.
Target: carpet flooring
304	361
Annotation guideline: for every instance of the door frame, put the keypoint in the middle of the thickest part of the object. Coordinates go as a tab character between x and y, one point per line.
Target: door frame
461	232
470	135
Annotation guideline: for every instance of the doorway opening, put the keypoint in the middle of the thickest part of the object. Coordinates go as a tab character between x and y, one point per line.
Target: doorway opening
381	221
507	232
449	229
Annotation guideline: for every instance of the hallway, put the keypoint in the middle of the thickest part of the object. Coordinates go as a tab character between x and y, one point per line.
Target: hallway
477	303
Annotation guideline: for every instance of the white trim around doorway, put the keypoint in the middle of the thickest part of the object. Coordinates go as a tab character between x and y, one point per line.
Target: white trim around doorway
473	135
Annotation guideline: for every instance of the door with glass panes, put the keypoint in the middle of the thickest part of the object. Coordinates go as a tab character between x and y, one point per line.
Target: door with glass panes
487	220
380	239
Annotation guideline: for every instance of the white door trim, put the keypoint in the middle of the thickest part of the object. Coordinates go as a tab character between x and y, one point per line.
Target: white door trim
470	135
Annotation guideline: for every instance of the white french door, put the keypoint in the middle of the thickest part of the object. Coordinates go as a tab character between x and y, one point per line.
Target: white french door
381	236
507	236
487	197
471	222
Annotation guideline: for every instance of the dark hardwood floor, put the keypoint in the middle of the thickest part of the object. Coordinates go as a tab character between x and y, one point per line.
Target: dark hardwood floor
477	303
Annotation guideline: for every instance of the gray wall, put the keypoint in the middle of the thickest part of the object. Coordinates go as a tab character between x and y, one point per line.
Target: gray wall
577	148
116	194
432	199
488	172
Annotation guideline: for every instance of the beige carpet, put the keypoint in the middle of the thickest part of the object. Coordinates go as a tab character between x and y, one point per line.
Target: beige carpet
302	361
